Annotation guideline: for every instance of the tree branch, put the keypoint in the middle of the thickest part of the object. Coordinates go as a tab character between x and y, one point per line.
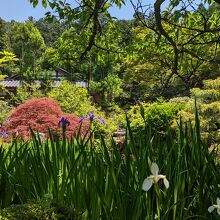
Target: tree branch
96	27
216	61
157	10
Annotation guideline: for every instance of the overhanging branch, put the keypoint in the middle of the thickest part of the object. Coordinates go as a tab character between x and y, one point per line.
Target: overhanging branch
158	19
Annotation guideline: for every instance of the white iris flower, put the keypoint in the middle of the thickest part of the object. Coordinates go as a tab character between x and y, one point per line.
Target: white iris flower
154	178
217	206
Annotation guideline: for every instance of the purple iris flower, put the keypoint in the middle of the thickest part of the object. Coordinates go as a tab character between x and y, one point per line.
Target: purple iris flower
92	117
64	122
3	133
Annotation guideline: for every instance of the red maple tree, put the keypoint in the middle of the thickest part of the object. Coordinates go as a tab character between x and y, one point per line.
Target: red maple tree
41	114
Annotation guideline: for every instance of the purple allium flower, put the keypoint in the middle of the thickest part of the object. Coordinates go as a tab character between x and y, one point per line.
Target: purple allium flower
63	122
92	117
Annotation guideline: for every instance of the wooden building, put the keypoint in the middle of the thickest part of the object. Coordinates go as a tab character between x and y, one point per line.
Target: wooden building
11	84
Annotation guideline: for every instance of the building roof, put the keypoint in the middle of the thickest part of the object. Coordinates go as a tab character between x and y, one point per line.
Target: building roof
11	83
81	83
55	83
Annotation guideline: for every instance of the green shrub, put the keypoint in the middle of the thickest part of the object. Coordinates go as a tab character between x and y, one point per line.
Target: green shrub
27	91
212	84
4	109
207	96
72	98
37	210
112	122
208	105
158	115
209	114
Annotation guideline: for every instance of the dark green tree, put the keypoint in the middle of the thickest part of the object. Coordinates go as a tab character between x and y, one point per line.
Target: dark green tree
3	34
28	44
50	31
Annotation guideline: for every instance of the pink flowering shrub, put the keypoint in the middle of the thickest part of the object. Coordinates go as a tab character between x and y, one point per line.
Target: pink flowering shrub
41	114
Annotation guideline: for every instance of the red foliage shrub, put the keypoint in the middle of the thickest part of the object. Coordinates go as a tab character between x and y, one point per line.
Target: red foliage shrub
41	115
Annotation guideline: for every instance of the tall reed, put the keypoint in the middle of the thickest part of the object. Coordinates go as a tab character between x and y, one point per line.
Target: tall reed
98	182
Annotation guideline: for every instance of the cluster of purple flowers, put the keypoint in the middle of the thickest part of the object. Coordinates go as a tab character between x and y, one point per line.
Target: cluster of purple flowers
92	117
65	122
